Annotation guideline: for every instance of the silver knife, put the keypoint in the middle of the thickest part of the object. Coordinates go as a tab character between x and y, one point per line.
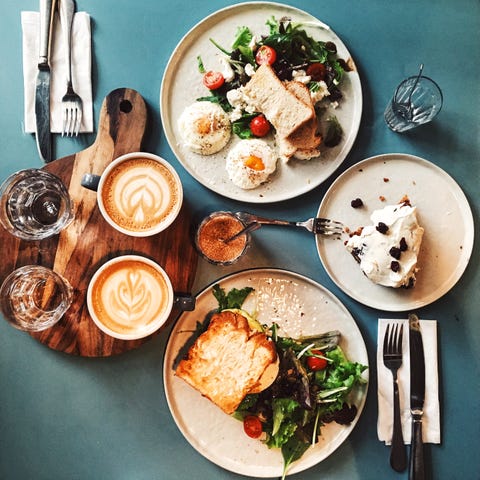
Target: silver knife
42	91
416	469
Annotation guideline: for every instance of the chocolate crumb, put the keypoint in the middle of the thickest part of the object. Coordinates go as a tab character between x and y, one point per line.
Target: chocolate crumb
382	228
395	266
403	245
356	203
385	179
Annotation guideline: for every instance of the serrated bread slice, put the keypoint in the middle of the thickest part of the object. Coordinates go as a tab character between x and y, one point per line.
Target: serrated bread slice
227	361
282	108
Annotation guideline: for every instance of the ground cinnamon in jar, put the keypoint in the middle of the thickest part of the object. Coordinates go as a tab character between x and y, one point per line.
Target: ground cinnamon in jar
211	236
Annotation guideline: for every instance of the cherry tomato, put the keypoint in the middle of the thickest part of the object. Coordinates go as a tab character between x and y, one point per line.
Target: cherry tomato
213	80
317	71
265	55
259	126
252	426
315	363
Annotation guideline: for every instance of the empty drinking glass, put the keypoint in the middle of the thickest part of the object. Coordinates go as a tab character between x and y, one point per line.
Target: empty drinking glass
417	100
34	204
34	298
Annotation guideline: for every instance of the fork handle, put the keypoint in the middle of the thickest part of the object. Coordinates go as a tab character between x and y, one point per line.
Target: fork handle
66	11
398	453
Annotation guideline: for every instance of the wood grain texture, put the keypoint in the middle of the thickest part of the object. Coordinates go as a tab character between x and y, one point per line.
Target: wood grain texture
89	241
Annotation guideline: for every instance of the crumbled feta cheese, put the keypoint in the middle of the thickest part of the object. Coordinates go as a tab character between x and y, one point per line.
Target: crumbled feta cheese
227	72
301	76
239	102
249	69
319	93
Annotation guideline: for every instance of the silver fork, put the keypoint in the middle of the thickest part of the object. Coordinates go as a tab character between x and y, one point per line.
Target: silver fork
392	359
71	101
320	226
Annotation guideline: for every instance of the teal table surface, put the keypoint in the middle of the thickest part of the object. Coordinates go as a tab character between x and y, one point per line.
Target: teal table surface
64	417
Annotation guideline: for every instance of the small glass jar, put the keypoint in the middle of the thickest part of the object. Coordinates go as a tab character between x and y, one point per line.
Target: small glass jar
211	236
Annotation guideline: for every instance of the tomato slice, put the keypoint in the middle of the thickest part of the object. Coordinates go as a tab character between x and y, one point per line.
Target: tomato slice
316	363
252	426
265	55
317	71
213	80
259	126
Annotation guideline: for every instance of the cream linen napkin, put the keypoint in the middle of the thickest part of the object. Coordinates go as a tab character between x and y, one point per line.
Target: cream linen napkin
81	69
431	411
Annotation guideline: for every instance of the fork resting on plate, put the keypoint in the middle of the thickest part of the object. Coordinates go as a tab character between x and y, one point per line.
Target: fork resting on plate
318	226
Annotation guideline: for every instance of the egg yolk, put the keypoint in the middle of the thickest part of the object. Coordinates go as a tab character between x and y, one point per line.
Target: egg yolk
254	162
203	125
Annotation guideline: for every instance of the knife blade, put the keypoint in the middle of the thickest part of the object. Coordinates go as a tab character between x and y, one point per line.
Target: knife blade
416	469
42	88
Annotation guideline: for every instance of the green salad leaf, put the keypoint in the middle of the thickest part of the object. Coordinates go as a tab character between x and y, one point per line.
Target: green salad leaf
233	299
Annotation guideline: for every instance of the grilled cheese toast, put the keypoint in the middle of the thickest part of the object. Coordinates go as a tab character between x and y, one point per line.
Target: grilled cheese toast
228	360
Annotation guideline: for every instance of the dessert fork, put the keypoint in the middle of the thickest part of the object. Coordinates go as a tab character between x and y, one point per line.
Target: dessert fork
320	226
71	101
392	359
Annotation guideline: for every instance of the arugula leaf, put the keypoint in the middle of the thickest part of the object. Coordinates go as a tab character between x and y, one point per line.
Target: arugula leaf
282	410
201	67
243	38
241	127
233	299
293	451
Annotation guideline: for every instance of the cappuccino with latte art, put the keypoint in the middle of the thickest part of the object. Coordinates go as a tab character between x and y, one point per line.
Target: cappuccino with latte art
130	297
139	194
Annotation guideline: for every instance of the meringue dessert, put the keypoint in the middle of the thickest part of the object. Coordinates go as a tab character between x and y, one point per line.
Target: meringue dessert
387	250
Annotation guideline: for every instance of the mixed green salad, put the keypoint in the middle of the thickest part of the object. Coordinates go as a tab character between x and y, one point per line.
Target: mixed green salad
288	49
311	389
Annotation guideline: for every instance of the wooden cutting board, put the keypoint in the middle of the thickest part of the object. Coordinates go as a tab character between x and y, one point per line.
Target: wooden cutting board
89	241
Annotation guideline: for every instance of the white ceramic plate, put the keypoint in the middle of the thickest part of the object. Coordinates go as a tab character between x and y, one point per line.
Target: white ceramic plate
442	210
300	307
182	85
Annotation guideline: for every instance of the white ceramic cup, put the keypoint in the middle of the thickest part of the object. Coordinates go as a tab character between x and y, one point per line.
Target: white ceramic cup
139	194
131	297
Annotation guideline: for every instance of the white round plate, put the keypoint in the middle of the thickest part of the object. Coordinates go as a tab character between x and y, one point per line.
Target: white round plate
300	307
182	85
442	210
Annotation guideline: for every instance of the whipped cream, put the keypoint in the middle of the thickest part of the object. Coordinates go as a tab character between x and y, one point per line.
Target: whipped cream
387	250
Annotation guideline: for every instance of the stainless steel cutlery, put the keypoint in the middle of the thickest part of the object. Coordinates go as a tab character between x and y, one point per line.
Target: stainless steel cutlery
392	359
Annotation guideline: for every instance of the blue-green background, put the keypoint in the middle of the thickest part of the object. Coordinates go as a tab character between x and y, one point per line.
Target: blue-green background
64	417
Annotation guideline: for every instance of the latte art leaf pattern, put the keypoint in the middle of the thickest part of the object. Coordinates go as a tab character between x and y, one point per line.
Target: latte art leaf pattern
132	299
142	198
139	194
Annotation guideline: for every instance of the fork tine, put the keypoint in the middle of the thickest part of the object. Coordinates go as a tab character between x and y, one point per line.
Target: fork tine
78	121
326	226
400	340
385	339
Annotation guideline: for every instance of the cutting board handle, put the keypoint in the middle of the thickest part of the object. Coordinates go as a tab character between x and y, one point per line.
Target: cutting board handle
121	126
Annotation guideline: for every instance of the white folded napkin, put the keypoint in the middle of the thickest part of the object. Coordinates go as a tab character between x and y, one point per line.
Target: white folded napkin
81	69
431	410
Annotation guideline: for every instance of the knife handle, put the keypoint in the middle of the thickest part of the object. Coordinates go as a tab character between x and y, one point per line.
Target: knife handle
416	469
46	21
398	453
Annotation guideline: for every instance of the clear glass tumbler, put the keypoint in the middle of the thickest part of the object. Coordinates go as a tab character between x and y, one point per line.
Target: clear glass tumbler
34	204
417	100
34	298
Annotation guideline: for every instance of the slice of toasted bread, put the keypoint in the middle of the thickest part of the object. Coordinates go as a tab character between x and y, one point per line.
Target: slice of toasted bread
227	361
282	108
303	142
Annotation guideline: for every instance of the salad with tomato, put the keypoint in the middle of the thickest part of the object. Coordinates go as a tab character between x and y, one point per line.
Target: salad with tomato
312	388
294	55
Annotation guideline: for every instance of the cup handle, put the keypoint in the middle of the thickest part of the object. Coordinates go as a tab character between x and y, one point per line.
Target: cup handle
90	181
184	302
